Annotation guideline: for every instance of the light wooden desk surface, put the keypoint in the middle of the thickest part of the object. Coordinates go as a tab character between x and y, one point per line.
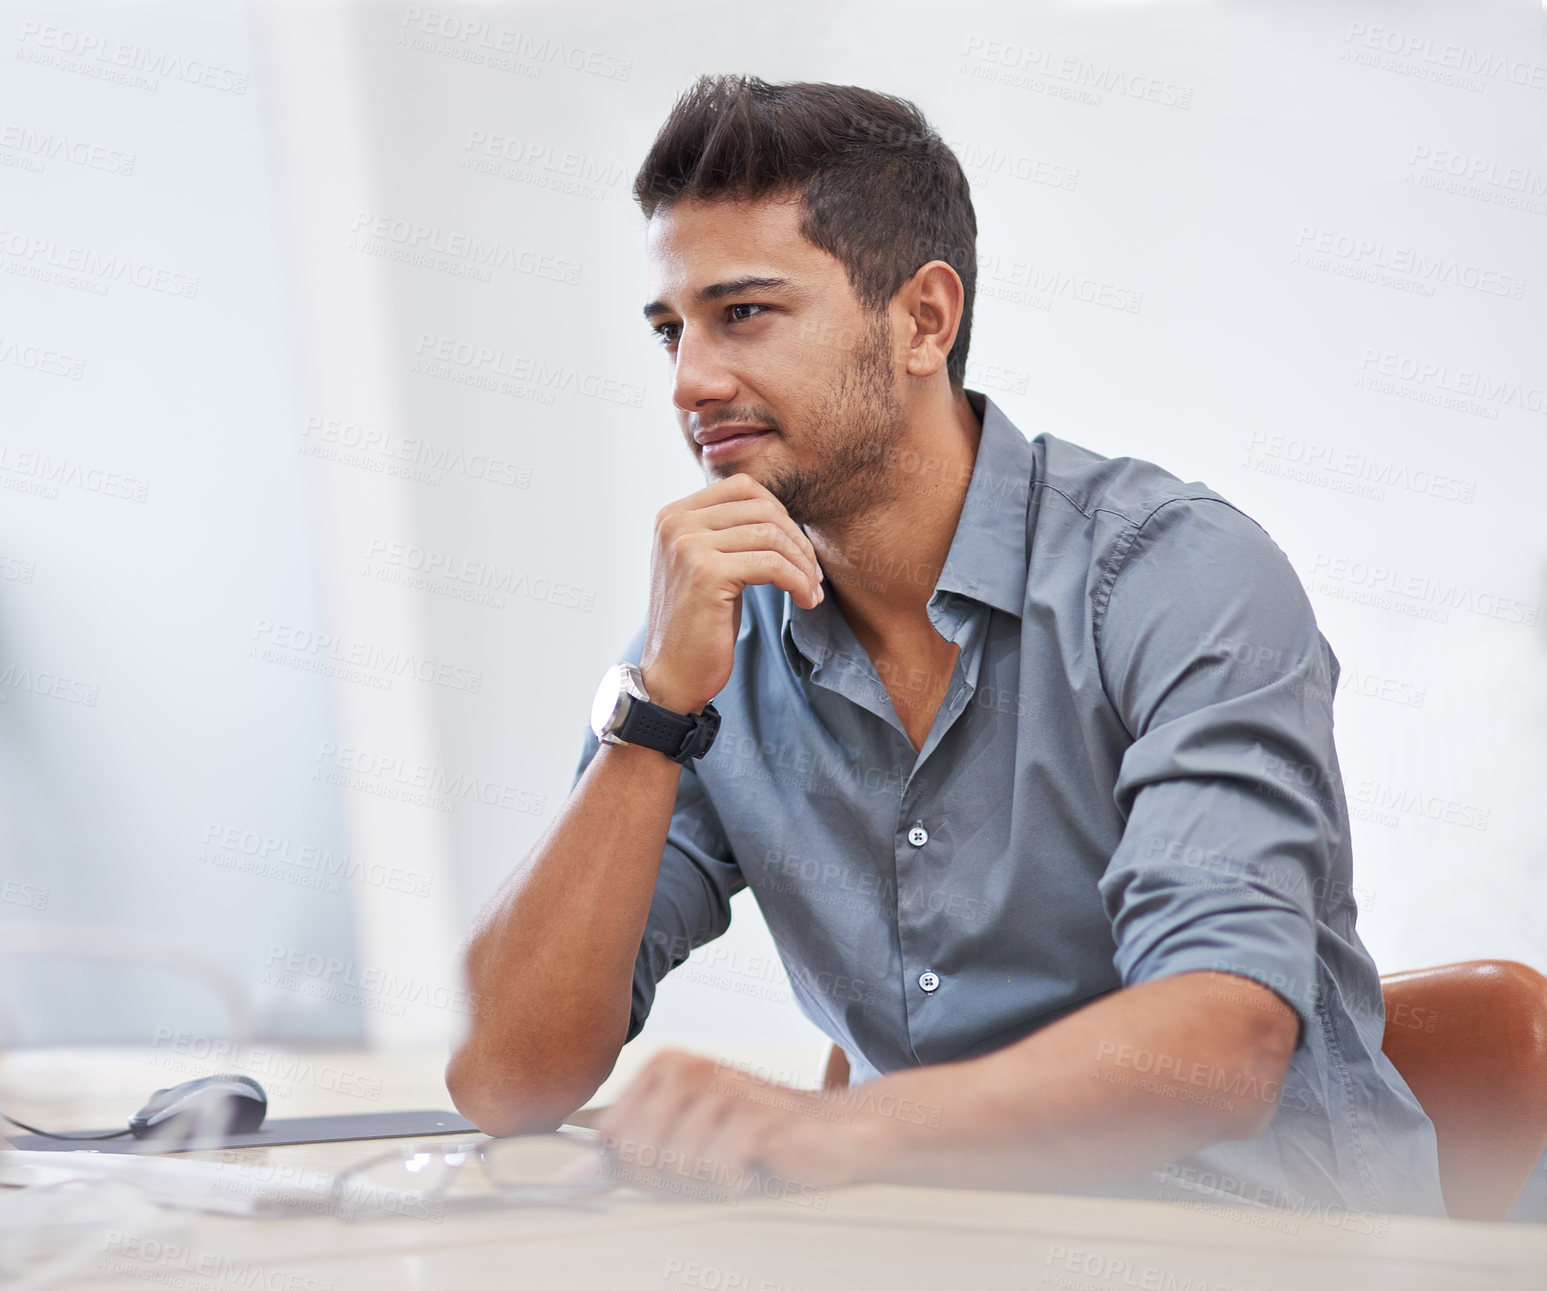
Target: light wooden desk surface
864	1237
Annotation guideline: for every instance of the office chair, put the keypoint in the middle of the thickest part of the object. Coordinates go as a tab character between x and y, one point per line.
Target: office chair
1470	1039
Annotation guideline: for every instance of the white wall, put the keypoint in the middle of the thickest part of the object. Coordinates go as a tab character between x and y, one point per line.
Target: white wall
1225	238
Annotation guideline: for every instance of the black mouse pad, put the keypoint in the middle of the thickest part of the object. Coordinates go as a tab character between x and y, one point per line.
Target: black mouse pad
274	1133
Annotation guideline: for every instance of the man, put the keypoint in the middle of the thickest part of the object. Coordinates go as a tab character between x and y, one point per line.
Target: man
1025	753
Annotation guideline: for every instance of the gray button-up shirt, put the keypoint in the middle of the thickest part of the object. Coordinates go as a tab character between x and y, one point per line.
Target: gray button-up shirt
1131	775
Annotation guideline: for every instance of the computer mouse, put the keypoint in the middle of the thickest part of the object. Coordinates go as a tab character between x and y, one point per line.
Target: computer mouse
209	1107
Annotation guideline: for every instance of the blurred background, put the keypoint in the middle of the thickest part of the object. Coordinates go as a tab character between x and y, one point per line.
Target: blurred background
330	440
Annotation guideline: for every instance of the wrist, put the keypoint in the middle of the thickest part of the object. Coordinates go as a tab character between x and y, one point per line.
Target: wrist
674	699
899	1131
871	1148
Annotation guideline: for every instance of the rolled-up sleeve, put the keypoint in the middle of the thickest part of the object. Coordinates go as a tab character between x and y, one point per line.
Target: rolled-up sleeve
698	877
1230	790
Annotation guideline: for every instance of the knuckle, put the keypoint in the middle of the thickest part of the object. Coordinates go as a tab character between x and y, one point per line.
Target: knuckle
685	548
679	1061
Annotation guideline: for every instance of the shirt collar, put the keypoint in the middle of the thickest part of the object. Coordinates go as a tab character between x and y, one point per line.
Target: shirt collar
988	558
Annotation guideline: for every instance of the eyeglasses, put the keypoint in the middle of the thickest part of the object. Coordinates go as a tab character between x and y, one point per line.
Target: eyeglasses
416	1180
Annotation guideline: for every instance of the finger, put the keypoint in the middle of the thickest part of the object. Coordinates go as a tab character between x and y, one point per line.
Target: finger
739	486
699	1125
725	515
764	535
651	1121
735	1147
748	567
639	1091
743	495
674	526
734	488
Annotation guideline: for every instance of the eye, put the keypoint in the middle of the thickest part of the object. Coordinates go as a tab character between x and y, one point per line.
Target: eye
743	318
666	333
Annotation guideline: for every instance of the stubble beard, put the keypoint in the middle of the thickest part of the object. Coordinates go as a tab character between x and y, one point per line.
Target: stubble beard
862	423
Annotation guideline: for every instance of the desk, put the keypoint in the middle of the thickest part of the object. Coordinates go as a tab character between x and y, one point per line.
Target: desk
862	1237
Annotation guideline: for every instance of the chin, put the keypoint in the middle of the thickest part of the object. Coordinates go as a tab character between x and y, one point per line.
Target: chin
724	470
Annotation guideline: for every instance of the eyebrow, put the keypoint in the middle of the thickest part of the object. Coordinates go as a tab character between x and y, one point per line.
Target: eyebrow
719	290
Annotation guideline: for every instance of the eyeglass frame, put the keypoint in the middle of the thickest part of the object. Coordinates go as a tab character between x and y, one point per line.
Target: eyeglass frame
456	1155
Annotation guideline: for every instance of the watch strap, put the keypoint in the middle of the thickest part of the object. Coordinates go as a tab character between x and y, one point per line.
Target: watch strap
679	736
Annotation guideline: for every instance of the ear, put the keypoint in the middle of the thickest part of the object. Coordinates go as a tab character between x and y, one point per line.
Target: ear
930	304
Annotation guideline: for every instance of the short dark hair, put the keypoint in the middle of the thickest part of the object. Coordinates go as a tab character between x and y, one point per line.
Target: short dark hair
879	188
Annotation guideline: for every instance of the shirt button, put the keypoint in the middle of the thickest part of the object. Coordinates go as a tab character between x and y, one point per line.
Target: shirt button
928	981
918	835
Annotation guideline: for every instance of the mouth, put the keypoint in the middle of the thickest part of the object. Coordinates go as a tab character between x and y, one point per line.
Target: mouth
726	430
725	441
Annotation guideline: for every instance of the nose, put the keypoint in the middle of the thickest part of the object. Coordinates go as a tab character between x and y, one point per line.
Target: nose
700	377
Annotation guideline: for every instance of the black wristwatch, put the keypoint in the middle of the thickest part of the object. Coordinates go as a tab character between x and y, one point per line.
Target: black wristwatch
622	713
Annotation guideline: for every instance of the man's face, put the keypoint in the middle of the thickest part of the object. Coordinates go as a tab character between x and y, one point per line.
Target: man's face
766	337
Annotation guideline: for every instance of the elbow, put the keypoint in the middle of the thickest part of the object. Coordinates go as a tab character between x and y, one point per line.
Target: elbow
1263	1061
499	1102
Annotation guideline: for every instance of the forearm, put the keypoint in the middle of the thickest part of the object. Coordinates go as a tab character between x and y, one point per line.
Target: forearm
1143	1076
550	960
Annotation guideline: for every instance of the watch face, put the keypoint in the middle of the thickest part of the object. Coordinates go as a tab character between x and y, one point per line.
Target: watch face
607	709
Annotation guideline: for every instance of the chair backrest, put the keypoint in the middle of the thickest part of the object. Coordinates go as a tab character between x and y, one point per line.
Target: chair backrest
836	1074
1471	1041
